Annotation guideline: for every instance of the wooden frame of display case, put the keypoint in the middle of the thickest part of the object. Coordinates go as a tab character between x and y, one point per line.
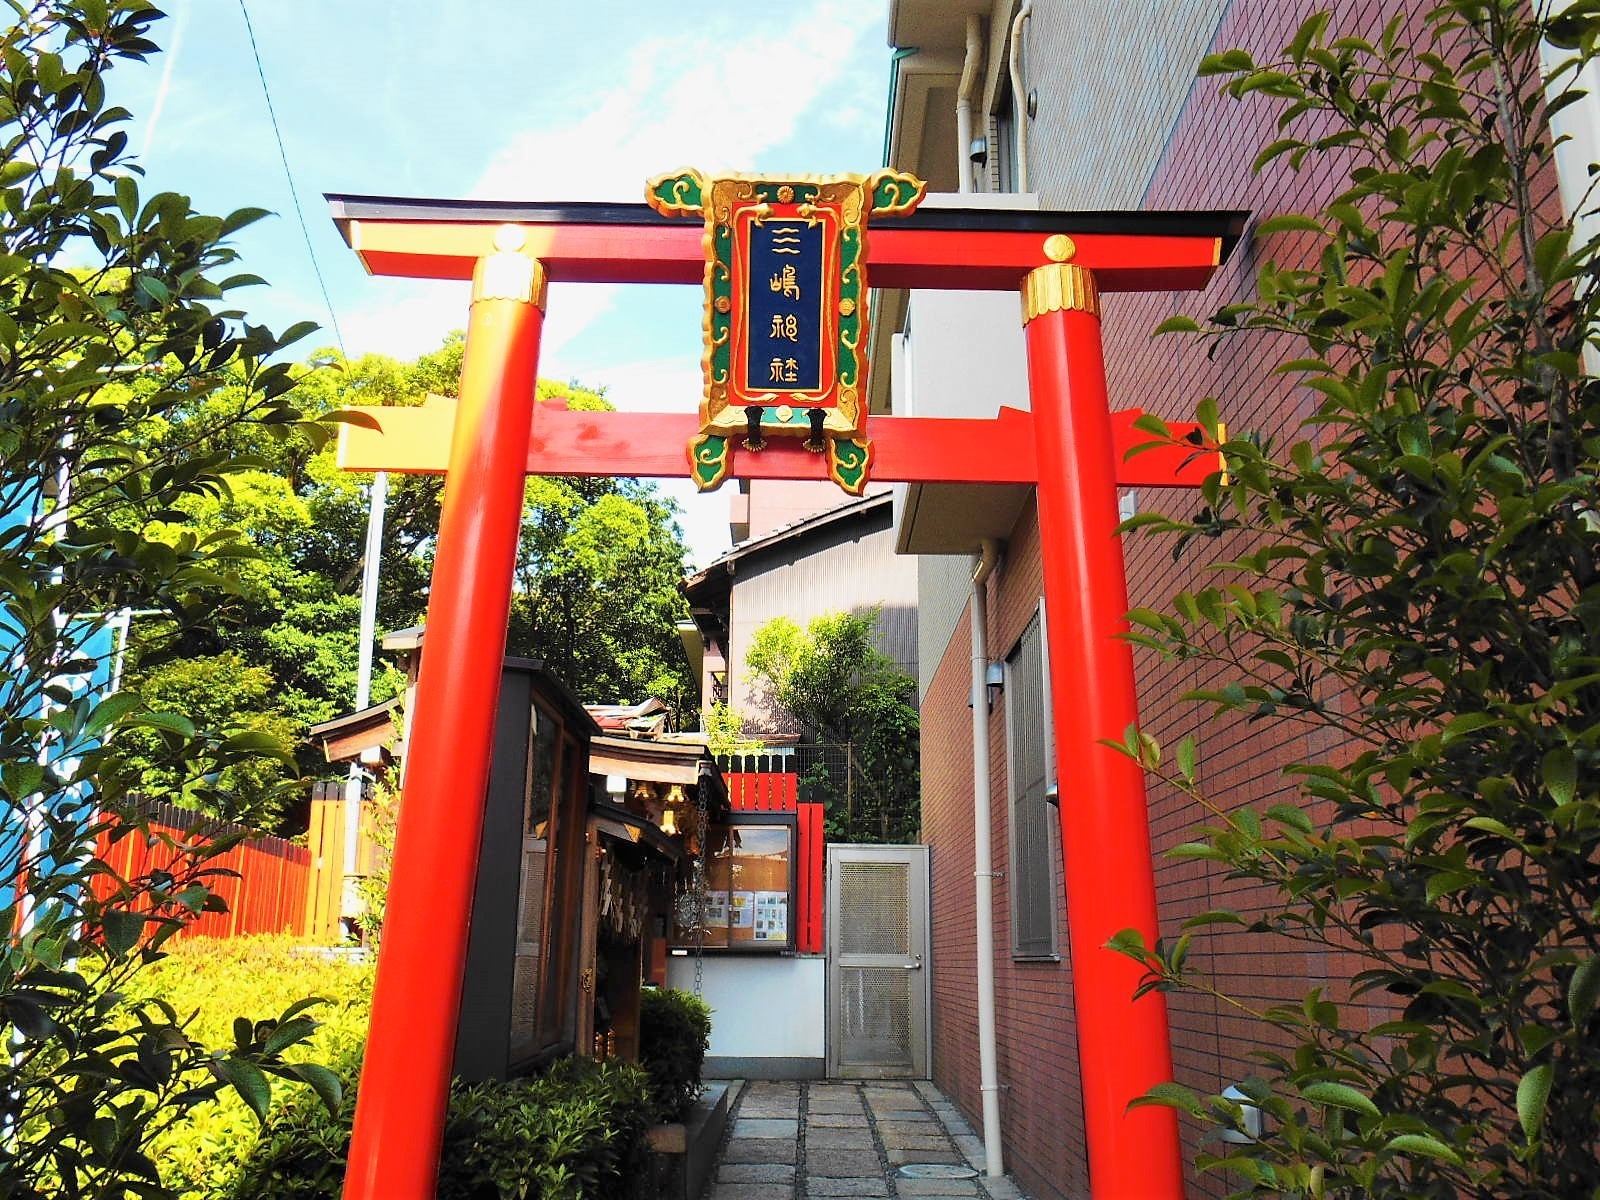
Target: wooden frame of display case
755	820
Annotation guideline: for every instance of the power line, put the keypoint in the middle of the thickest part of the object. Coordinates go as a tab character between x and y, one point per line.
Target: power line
288	175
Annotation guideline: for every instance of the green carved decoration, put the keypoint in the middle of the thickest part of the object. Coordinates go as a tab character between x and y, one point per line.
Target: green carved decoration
719	319
710	460
895	191
848	462
684	192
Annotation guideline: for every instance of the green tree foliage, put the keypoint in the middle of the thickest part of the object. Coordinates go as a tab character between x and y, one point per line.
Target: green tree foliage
725	732
596	597
834	682
115	317
1417	579
282	654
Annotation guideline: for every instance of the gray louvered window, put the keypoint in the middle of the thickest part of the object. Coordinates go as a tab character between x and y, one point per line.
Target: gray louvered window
1033	824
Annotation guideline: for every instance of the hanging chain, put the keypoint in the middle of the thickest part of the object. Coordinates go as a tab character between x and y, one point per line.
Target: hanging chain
699	884
691	908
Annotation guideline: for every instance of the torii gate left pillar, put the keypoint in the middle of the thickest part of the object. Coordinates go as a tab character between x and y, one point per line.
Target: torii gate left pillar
402	1103
1071	446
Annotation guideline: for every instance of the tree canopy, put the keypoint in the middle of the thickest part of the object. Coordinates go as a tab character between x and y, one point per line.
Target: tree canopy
845	693
596	595
119	321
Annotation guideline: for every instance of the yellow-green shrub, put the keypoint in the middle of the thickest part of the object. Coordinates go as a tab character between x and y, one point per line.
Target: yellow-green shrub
206	978
574	1133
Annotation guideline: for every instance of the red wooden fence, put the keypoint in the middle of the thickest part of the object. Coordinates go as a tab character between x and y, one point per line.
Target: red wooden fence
811	852
763	791
267	895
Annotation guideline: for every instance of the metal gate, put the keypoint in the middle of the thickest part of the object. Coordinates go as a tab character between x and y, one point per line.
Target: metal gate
877	962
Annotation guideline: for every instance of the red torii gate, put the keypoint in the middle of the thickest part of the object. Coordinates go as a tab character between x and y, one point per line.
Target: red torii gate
1071	445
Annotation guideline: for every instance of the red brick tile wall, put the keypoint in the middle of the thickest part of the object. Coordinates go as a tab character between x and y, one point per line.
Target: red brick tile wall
1036	1040
1206	165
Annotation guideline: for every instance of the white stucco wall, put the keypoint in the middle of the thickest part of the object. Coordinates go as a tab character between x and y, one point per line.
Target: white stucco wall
762	1007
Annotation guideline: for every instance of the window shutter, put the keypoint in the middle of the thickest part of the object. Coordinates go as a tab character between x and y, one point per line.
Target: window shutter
1033	884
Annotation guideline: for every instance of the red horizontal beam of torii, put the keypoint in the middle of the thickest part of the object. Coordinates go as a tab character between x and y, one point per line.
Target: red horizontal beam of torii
935	248
650	445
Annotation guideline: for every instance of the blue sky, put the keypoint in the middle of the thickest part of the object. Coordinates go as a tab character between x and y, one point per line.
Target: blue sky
535	100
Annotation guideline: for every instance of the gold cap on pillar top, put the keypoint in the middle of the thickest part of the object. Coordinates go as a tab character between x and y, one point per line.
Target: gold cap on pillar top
509	273
1059	285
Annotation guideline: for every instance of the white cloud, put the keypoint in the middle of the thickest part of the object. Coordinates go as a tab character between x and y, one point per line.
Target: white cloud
708	101
408	317
403	317
717	103
652	385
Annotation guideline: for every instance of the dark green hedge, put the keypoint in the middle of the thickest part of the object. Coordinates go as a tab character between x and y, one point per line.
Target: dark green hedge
576	1132
674	1031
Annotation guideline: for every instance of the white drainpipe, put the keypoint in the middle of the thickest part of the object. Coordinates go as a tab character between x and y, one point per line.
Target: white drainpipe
1019	101
969	85
1577	130
983	859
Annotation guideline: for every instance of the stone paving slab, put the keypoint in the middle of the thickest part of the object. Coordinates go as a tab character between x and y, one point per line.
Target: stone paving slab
846	1187
843	1141
750	1191
914	1144
832	1120
1001	1189
839	1139
935	1187
844	1164
756	1173
922	1154
834	1104
759	1150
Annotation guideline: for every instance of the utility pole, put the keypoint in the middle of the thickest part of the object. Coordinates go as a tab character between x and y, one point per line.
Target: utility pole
378	499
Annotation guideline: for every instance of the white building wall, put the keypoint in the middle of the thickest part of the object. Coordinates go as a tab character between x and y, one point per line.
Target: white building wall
962	356
767	1019
855	573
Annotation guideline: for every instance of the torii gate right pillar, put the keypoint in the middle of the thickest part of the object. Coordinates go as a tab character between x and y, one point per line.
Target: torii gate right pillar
1123	1044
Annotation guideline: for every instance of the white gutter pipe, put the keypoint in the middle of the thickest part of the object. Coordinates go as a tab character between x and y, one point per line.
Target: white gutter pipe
964	94
983	859
1019	102
1575	130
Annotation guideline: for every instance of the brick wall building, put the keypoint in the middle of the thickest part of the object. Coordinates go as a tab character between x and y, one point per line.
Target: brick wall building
1118	121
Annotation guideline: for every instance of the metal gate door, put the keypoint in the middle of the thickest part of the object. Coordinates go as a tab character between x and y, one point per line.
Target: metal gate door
877	962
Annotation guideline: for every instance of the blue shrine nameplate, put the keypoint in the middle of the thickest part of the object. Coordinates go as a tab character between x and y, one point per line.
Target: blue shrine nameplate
786	298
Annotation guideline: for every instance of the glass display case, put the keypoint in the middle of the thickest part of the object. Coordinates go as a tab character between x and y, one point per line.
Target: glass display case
750	886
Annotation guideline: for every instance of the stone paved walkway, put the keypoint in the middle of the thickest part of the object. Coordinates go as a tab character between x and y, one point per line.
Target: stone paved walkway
799	1141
